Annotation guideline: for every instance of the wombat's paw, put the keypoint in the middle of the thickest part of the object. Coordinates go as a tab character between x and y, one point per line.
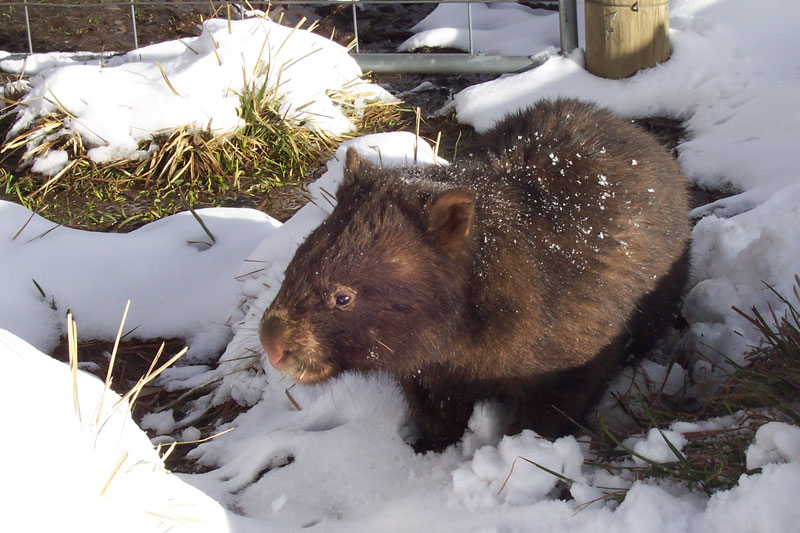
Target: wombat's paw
427	444
426	439
433	441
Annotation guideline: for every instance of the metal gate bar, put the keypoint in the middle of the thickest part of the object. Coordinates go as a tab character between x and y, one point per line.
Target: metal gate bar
446	63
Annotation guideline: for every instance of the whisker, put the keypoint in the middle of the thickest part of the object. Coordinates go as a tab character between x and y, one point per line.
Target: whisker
384	345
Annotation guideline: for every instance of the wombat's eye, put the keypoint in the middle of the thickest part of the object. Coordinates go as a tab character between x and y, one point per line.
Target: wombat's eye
342	298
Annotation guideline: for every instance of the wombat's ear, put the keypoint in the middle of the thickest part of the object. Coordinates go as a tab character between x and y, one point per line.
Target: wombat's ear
449	216
352	161
353	164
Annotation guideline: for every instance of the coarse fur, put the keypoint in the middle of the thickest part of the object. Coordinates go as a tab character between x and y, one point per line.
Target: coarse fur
525	272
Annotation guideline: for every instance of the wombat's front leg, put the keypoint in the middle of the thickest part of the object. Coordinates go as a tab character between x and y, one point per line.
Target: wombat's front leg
440	412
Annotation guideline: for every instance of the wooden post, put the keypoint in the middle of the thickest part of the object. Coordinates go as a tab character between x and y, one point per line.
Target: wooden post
623	36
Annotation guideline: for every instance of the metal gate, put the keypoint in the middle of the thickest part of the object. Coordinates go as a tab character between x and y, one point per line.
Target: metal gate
438	63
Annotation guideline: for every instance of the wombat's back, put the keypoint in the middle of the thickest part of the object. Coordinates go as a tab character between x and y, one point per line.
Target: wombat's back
581	229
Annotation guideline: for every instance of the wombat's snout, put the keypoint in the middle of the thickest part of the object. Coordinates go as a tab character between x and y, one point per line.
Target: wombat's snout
272	339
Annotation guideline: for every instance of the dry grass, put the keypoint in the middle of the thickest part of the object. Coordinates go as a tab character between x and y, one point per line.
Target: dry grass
98	422
129	368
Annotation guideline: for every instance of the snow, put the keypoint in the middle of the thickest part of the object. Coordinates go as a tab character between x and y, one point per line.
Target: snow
341	463
50	163
774	442
482	480
756	503
162	423
93	471
657	447
507	29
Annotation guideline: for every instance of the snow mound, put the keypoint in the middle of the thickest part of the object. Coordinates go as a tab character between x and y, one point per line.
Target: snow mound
509	473
178	283
775	442
108	471
656	446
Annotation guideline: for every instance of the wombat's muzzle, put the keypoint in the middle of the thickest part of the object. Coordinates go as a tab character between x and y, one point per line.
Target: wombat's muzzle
271	335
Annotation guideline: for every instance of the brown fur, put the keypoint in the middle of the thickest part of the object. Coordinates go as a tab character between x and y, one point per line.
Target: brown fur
523	273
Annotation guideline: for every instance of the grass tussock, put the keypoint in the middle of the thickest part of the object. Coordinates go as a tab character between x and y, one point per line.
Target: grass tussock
186	167
770	383
177	170
183	169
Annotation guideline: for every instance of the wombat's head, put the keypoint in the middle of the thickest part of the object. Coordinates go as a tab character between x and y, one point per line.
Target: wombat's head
378	284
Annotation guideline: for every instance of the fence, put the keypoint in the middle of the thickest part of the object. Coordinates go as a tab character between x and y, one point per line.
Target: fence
470	62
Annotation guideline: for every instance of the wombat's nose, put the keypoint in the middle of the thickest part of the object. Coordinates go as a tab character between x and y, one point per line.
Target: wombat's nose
272	339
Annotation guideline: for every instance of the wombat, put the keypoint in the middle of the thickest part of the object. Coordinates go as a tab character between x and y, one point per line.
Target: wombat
523	273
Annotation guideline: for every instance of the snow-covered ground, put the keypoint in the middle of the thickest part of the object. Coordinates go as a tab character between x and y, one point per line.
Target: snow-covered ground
341	463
